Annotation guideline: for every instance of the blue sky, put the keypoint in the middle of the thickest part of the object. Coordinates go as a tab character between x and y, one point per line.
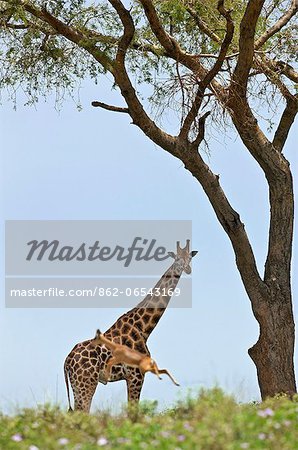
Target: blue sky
94	165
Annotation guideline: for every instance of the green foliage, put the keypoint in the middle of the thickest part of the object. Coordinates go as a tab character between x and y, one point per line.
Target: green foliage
211	420
40	62
35	59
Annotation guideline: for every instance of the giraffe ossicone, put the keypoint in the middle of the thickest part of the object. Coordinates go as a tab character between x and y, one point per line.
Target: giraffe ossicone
85	365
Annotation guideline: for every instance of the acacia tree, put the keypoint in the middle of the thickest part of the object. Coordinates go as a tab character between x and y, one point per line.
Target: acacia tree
213	62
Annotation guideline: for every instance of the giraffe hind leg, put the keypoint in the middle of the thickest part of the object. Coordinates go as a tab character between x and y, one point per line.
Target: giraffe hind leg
83	393
82	401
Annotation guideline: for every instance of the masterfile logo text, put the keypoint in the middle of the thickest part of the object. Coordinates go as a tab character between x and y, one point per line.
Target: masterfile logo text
91	263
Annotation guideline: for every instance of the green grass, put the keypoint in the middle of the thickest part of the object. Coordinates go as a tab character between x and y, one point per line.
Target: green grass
211	420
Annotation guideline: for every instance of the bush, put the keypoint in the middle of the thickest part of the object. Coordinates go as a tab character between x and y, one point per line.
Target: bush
209	420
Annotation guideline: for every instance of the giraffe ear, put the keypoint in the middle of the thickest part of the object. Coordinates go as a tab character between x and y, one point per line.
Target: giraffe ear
172	254
193	253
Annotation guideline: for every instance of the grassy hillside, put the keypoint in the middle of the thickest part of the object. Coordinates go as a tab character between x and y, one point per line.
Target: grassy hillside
212	420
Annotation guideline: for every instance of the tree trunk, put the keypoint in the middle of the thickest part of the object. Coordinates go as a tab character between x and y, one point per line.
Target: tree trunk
272	307
273	353
272	303
270	296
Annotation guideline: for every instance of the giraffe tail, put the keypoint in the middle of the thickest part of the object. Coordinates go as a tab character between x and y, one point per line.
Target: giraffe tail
67	386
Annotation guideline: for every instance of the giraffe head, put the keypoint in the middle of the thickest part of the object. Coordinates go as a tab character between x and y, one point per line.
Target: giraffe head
183	256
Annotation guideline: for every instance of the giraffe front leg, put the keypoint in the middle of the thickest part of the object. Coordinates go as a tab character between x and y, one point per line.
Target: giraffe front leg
134	383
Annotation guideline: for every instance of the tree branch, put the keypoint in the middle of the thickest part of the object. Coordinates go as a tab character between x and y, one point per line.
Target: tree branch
283	68
136	110
192	114
269	159
269	10
167	41
171	46
139	46
5	23
15	26
68	32
110	107
129	29
285	123
264	63
202	25
231	223
225	44
246	46
201	134
278	25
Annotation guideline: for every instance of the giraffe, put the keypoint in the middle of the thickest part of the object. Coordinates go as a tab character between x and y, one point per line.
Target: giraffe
86	363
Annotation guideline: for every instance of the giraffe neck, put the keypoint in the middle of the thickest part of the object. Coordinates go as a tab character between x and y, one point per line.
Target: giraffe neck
162	292
148	312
